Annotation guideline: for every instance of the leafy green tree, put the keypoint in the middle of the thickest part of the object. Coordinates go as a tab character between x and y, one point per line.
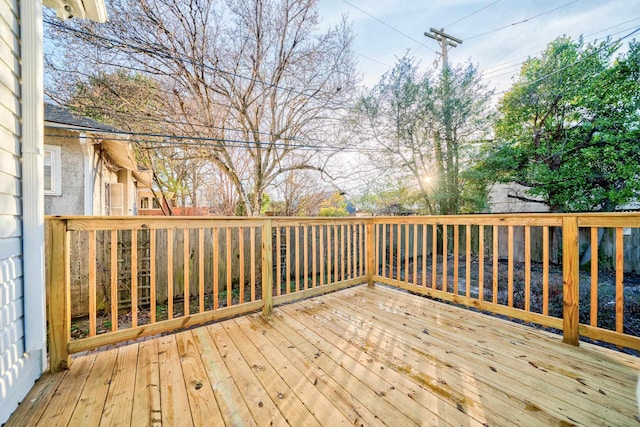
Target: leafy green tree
569	128
424	126
266	204
389	192
121	98
335	205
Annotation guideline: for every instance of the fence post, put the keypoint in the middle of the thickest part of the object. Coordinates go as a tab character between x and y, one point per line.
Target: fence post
58	288
570	276
370	252
267	268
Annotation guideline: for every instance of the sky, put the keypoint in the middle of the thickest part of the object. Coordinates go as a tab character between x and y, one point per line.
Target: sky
493	32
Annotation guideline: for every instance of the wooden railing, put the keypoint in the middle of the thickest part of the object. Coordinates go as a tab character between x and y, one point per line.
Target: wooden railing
130	277
477	261
115	279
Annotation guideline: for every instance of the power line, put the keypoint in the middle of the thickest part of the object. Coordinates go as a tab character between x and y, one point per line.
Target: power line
500	70
421	44
472	13
613	26
128	115
546	76
176	122
172	92
503	65
202	141
521	22
372	59
500	64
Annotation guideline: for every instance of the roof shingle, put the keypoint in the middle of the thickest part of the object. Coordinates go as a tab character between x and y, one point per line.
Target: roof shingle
61	115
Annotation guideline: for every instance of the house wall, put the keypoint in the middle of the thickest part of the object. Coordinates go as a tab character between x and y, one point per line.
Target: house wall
500	202
98	186
71	200
19	368
130	196
106	174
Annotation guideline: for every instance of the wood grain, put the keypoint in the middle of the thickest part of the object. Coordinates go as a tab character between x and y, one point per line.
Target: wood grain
363	355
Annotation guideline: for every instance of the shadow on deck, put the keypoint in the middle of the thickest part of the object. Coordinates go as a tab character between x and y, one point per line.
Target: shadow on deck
360	356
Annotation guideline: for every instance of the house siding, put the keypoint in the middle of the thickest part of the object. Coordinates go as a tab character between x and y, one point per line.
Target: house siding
71	199
18	370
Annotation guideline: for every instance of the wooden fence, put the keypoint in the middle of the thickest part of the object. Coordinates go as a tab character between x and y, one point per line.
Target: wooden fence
139	276
217	244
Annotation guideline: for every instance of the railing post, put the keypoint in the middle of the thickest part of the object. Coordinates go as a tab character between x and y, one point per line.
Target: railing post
370	258
570	275
58	288
267	267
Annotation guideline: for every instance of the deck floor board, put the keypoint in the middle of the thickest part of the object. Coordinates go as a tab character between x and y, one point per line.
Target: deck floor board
531	369
360	356
89	408
326	383
146	398
436	380
403	343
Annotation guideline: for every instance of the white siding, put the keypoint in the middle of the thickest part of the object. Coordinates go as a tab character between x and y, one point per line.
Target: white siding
18	370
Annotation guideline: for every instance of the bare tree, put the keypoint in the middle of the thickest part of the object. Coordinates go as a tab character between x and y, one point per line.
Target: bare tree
300	193
250	76
219	193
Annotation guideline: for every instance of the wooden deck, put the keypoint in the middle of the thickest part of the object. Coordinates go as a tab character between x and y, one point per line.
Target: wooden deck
361	356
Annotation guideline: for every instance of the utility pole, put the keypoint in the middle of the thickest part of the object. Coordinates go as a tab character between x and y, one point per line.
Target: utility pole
446	151
445	40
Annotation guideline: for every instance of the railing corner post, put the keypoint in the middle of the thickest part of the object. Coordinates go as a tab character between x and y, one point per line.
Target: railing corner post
570	277
58	289
370	252
267	267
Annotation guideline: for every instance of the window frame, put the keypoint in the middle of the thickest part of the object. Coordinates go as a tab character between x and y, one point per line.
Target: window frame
56	170
144	202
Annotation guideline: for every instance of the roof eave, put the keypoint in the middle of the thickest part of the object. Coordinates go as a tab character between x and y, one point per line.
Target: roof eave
94	10
71	127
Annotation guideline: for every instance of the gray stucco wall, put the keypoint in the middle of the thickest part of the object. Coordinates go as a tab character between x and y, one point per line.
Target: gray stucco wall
500	202
71	201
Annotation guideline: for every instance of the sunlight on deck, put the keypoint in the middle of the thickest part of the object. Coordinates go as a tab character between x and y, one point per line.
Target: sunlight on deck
360	356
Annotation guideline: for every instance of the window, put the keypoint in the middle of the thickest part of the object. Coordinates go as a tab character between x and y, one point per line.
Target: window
52	170
114	199
155	204
144	203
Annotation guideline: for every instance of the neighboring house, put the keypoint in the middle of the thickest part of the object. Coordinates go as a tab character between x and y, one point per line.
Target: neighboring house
149	203
23	355
508	198
511	198
395	209
89	168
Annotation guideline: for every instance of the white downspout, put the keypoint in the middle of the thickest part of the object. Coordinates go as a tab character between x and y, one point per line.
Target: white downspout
87	154
33	180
